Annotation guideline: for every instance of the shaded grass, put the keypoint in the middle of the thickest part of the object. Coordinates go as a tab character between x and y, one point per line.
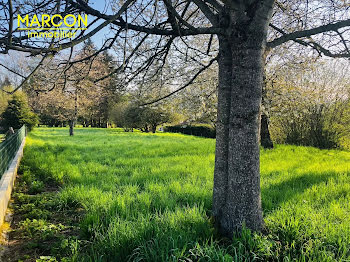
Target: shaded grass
147	197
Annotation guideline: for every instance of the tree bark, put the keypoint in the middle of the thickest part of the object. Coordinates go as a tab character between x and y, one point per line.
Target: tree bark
220	190
75	115
154	128
71	127
236	194
265	137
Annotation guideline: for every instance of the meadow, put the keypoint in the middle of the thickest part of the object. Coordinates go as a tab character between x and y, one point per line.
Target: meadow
107	195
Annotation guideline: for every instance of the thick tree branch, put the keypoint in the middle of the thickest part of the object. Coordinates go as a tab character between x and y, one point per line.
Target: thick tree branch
98	28
173	11
207	11
306	33
10	25
149	30
311	43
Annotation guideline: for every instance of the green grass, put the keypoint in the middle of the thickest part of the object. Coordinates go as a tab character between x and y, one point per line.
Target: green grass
147	197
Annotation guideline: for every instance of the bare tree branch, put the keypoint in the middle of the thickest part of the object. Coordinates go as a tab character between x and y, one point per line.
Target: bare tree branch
29	76
306	33
12	71
311	43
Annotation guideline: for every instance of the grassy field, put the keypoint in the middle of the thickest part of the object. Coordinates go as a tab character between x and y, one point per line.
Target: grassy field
106	195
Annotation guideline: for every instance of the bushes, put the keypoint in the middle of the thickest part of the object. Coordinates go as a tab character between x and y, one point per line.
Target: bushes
316	125
195	130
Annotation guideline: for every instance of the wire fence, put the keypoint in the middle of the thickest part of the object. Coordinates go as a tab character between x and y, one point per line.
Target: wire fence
9	148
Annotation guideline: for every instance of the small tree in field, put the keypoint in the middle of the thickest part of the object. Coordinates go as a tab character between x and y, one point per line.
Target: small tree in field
152	117
18	113
144	118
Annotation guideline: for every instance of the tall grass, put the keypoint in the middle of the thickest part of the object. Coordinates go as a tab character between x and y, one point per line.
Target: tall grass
147	197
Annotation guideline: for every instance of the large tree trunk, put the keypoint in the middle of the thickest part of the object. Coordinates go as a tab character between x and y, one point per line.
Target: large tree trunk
236	196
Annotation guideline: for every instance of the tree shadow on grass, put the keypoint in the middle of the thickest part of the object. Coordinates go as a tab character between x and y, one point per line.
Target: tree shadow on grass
274	195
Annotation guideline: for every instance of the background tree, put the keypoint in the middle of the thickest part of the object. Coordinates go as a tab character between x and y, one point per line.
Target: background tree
146	119
153	117
73	95
18	113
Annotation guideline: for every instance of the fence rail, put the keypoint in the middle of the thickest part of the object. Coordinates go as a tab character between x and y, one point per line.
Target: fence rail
9	148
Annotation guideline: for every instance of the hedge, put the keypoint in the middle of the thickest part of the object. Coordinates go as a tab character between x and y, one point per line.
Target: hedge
195	130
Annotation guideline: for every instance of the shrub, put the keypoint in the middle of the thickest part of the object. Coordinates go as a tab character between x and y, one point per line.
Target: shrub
314	125
195	130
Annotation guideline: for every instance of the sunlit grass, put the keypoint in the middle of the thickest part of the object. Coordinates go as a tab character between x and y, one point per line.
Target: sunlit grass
147	197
